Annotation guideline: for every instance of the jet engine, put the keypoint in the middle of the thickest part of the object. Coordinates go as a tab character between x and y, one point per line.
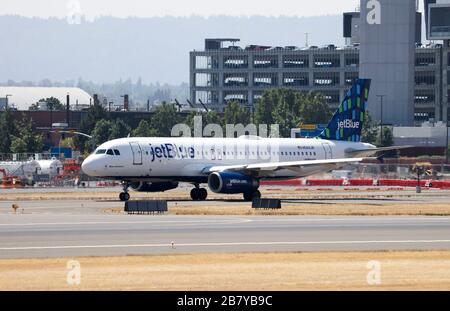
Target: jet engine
232	183
153	186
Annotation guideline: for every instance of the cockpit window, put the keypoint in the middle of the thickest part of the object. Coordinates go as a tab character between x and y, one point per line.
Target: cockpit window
110	152
100	151
116	152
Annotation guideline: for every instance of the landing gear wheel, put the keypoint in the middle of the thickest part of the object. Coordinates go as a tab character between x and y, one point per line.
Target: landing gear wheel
203	194
124	196
199	194
249	196
195	194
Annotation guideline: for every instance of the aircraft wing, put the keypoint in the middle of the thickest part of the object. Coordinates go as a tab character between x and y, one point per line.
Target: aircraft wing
268	168
369	152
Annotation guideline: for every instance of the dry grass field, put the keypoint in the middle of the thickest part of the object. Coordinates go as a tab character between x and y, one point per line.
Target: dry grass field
183	194
260	271
297	202
306	209
322	209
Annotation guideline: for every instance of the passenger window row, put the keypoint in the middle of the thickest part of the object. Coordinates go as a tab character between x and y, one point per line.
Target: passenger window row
286	153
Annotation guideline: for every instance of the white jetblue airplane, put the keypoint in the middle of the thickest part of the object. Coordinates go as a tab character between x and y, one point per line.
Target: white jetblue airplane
234	165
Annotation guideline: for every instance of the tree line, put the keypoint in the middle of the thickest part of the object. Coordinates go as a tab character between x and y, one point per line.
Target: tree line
19	136
286	107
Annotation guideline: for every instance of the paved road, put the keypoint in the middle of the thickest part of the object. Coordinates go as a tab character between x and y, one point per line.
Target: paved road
70	235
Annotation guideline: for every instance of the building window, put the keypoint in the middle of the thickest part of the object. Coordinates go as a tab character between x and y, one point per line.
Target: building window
206	80
206	97
296	79
326	78
351	60
235	79
265	79
295	61
448	101
332	97
265	61
257	96
240	97
206	62
423	115
425	78
350	78
424	97
327	61
425	59
235	62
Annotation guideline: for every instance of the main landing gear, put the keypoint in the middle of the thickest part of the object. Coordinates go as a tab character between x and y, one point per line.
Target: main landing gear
249	196
199	194
124	196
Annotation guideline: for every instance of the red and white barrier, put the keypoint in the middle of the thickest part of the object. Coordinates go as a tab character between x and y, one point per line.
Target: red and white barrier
402	183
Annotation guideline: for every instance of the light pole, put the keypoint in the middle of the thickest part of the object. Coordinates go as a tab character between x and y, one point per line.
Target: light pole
381	97
446	137
125	102
446	144
6	101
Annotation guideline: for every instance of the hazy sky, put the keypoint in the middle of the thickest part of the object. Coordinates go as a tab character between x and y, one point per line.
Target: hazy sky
149	8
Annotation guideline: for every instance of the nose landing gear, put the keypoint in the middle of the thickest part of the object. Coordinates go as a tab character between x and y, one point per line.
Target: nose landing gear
124	196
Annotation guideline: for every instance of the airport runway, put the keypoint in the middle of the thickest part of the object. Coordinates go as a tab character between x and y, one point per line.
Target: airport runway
62	235
82	205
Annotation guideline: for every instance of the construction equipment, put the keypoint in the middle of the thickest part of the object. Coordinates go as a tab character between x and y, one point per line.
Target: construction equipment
10	181
421	169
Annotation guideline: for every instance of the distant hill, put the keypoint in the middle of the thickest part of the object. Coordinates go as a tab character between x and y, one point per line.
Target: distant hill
155	49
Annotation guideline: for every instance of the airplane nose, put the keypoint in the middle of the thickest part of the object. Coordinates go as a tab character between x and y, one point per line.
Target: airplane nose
88	166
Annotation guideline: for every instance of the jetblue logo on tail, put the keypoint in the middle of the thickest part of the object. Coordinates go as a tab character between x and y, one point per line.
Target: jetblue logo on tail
348	120
348	124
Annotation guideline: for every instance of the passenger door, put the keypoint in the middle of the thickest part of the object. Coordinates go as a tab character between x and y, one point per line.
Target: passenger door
137	153
328	151
219	154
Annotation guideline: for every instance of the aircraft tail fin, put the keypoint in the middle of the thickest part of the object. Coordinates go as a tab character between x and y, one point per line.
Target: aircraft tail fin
348	120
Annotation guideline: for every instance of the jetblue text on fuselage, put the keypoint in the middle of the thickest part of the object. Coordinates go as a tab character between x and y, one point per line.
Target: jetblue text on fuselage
171	151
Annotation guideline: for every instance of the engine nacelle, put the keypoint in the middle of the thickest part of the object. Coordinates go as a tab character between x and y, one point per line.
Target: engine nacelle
232	183
153	187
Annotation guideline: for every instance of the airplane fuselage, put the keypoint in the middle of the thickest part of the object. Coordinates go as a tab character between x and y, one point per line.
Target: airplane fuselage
185	159
235	165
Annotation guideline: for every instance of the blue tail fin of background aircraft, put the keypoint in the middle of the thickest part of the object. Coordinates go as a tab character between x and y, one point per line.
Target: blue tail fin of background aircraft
348	120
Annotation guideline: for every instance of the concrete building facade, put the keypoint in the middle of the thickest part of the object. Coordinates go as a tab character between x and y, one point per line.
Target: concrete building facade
22	97
384	45
243	74
388	37
236	74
